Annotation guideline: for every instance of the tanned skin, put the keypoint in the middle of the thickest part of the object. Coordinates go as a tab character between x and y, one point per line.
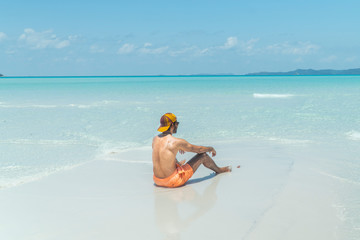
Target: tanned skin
165	147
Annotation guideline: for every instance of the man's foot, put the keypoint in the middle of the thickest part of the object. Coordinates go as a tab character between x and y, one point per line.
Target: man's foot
225	169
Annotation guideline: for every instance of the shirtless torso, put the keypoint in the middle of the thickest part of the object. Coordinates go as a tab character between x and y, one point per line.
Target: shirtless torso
165	148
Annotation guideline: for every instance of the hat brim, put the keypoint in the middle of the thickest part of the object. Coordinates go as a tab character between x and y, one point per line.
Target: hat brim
163	129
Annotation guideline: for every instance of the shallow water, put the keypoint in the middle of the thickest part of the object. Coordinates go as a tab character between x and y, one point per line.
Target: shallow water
53	124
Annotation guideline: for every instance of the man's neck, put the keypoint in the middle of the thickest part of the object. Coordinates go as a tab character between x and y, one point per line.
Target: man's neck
165	133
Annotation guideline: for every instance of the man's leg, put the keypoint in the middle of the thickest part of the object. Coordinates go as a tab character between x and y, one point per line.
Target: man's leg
206	160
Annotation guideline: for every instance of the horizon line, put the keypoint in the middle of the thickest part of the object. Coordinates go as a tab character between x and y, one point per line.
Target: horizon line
180	75
150	75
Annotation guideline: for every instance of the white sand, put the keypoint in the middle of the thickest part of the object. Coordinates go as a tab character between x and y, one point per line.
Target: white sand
274	195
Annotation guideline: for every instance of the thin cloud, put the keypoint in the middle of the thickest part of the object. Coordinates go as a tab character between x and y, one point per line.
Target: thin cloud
147	45
202	52
192	51
126	48
329	59
351	59
41	40
96	49
196	51
147	49
300	48
231	42
248	47
3	36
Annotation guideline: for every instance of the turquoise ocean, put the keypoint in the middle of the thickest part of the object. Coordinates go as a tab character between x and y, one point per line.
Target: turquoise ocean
52	124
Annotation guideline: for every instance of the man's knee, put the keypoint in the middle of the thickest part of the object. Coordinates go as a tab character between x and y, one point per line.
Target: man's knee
202	154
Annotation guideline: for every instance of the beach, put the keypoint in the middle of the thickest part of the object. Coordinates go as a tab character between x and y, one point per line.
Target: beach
77	158
114	199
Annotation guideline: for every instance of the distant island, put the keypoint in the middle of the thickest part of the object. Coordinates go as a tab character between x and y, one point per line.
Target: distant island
1	75
305	72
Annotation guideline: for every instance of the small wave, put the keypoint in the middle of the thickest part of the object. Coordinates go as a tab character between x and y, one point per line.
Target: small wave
289	141
40	142
341	179
71	105
12	167
127	161
128	153
31	177
265	95
91	105
353	135
340	211
27	106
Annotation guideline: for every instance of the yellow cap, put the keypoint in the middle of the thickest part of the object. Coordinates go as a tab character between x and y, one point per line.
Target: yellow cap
165	121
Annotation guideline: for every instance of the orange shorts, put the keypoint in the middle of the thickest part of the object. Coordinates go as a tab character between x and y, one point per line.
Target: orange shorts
178	178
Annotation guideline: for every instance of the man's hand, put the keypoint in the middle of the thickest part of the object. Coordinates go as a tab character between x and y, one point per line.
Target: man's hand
213	152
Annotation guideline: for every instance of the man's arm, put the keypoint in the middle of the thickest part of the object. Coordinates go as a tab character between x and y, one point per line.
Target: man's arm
188	147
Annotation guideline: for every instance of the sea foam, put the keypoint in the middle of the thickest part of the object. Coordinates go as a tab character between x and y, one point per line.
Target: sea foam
40	142
290	141
98	104
267	95
353	135
341	179
26	174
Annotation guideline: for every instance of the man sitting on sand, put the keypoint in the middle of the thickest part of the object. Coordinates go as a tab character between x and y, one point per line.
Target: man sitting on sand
168	172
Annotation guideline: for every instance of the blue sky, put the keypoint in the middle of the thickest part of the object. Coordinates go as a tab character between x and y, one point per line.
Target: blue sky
143	37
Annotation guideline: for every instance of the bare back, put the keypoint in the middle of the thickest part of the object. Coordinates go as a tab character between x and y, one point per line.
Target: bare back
164	155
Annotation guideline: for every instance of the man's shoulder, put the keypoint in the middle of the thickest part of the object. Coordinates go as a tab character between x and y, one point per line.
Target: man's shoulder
178	140
164	138
168	137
